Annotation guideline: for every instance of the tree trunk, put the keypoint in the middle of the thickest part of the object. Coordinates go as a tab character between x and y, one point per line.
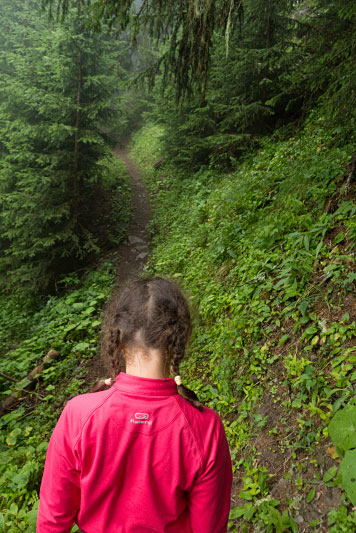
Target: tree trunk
15	397
75	204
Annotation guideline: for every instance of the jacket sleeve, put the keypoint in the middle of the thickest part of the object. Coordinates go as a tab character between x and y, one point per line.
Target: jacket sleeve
209	500
60	488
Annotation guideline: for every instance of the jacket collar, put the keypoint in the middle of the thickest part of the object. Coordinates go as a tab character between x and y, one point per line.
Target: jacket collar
137	385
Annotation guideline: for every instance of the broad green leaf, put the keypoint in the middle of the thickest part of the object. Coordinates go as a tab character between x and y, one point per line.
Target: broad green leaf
81	346
245	495
236	512
311	495
339	237
303	307
249	512
348	473
342	428
283	339
330	474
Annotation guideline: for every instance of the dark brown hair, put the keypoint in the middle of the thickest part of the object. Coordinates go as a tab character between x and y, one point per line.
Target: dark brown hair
155	309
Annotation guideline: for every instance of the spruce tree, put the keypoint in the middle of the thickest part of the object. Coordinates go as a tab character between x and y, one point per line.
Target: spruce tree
245	93
328	67
58	91
186	25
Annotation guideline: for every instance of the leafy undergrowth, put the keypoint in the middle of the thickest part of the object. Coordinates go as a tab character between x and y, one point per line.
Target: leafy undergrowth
69	323
267	254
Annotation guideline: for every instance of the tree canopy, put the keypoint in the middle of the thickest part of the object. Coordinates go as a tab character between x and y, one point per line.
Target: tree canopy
187	25
59	96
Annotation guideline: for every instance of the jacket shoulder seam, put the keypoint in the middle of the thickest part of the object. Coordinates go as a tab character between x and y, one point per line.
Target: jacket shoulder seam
89	416
192	434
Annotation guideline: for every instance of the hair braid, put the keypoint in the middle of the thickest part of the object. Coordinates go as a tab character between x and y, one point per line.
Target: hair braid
113	352
186	393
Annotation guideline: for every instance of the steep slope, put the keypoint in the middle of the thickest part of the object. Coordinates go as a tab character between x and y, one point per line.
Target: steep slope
267	254
68	322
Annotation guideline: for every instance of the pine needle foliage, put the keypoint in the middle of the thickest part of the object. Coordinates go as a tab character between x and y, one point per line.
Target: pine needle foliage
285	58
247	93
57	90
329	59
187	25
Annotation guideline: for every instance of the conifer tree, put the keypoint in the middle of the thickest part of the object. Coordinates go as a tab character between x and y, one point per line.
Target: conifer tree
329	58
58	89
244	98
186	25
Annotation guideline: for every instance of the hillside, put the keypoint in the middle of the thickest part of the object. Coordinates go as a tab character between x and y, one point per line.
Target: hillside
267	255
69	323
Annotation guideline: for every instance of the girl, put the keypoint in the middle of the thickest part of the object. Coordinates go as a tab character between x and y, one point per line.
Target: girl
145	455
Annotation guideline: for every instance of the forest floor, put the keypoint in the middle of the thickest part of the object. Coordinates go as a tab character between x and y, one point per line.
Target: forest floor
132	254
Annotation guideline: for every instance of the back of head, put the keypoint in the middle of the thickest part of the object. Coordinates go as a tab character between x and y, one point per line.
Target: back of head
154	312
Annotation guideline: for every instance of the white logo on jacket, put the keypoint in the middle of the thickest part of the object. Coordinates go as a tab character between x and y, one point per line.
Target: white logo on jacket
141	418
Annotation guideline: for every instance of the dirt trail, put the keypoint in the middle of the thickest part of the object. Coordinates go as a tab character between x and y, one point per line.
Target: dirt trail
133	254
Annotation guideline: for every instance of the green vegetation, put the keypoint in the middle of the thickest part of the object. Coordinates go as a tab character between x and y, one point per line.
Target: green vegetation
342	432
64	199
58	91
267	254
69	324
187	26
285	58
252	181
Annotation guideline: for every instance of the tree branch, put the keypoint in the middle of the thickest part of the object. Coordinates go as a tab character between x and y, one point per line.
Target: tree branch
9	378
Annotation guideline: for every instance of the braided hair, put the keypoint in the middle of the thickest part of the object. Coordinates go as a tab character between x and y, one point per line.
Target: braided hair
155	309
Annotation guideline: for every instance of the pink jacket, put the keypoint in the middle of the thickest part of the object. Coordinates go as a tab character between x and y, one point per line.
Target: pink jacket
136	458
